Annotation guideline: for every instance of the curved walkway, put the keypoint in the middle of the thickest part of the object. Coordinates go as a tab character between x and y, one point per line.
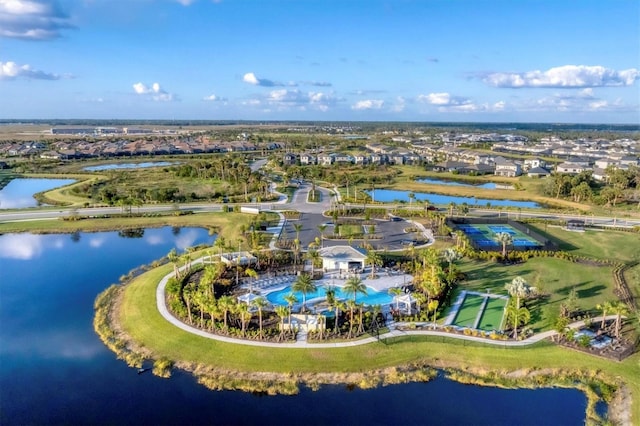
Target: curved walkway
164	311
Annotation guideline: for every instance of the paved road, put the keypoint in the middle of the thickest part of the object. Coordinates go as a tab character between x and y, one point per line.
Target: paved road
300	203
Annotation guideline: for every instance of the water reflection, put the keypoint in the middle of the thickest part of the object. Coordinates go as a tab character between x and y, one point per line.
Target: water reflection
390	195
19	192
27	246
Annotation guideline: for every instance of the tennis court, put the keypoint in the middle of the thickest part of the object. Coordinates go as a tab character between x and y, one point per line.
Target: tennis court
484	236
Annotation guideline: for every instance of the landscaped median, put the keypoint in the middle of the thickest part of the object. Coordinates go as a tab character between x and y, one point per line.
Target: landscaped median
221	365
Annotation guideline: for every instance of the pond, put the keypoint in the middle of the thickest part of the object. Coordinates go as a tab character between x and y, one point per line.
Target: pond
392	195
118	166
55	370
488	185
19	192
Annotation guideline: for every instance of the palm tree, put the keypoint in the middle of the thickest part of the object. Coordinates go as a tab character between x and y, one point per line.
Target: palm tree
186	260
452	206
210	274
374	260
314	256
282	312
322	228
620	309
396	291
433	306
332	302
226	304
355	285
252	275
173	258
517	316
297	227
517	288
242	309
304	284
505	239
260	303
604	307
351	304
412	197
291	299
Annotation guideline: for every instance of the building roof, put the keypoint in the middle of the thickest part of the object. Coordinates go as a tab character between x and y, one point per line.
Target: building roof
341	253
538	171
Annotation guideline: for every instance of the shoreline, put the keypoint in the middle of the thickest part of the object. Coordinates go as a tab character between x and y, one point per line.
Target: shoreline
420	369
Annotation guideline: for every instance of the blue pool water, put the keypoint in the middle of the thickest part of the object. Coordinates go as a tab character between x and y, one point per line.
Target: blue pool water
372	298
488	185
390	195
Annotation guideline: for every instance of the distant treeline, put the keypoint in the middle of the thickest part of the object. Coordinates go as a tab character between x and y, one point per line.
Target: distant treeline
368	125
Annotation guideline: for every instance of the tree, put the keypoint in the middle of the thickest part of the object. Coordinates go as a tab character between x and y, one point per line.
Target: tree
297	227
252	275
519	289
242	309
316	260
412	197
355	285
452	207
210	275
291	299
173	258
581	192
373	259
282	312
450	255
620	309
517	316
322	228
304	284
395	292
260	303
433	307
226	304
604	307
505	239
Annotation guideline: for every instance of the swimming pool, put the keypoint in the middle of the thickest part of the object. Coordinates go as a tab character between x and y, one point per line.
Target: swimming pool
372	298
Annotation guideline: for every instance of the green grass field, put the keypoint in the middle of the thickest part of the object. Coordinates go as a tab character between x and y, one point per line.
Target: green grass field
468	312
493	313
555	277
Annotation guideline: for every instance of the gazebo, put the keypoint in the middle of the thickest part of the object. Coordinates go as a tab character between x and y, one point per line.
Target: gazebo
248	298
406	303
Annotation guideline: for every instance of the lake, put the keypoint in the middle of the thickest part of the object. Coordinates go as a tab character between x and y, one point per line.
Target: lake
19	192
488	185
118	166
55	370
391	195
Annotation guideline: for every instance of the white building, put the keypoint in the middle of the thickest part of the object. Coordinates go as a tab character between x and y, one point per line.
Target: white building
342	258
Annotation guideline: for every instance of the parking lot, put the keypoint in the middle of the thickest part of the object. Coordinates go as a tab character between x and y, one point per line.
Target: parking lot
393	233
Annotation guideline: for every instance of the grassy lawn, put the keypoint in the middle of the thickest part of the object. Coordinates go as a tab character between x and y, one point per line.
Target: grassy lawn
348	230
621	246
553	276
466	316
492	315
140	318
227	224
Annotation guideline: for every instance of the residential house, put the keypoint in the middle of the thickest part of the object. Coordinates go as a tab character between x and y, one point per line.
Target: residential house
538	172
289	159
307	159
508	169
325	159
570	168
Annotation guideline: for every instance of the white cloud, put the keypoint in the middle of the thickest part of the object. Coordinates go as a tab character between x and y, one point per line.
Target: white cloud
251	78
567	76
11	70
154	91
214	98
32	19
368	104
443	98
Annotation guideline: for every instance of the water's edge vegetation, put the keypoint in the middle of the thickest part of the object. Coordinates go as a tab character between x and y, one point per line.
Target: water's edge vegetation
597	386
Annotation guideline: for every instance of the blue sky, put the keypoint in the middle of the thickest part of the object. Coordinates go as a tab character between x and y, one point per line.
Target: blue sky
400	60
